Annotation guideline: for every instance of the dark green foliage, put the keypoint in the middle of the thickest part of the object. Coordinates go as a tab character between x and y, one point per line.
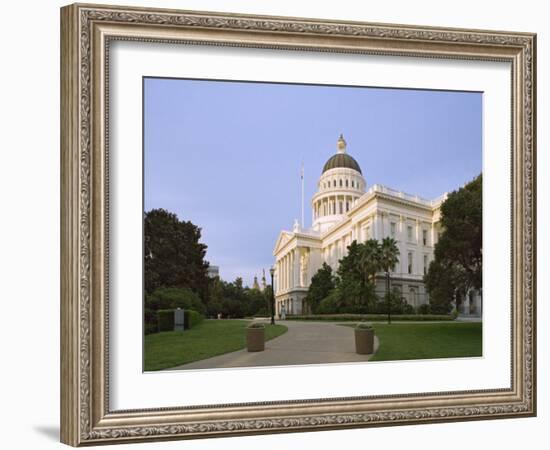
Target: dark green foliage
151	327
440	308
423	309
389	257
169	299
172	298
457	266
165	319
191	318
174	257
353	288
372	317
322	283
351	281
396	302
232	299
330	304
150	322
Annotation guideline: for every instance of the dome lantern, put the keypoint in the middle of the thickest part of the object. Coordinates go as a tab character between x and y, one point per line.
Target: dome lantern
341	145
341	159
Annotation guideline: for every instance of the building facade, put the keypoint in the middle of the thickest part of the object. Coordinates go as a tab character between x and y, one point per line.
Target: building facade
344	210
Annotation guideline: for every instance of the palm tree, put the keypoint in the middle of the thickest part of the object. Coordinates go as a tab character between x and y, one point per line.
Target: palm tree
389	257
369	261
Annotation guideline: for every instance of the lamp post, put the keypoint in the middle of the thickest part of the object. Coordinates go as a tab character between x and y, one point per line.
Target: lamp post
272	272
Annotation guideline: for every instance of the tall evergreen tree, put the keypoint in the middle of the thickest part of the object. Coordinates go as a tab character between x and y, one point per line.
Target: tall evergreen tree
321	285
457	266
174	255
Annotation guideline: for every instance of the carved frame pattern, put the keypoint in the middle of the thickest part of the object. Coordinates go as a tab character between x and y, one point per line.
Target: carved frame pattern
86	33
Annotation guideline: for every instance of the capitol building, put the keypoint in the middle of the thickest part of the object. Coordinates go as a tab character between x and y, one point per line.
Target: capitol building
344	210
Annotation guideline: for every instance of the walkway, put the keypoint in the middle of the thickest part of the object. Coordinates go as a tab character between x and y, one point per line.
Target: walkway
303	343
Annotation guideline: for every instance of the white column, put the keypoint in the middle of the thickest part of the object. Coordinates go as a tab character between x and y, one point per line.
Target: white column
293	259
283	273
286	272
279	276
289	270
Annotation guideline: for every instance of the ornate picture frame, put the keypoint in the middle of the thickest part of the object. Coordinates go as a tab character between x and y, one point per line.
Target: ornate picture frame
86	34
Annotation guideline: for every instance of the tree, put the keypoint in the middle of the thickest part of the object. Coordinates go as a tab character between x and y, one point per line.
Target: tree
174	255
321	285
369	259
369	264
172	298
441	284
350	281
457	266
389	257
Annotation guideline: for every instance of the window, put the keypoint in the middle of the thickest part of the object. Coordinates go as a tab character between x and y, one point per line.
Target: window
341	205
410	263
334	183
347	182
352	183
425	264
392	229
409	233
424	237
347	206
340	182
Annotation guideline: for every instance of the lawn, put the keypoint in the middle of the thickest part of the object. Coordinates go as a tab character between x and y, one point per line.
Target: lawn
208	338
400	341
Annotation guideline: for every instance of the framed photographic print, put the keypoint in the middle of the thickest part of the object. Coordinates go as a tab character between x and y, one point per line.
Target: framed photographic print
278	224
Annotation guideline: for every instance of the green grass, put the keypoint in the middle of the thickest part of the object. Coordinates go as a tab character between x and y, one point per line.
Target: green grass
208	338
400	341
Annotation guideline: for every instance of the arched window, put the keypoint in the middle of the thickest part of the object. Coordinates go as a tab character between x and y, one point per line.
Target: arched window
347	182
352	183
340	182
334	183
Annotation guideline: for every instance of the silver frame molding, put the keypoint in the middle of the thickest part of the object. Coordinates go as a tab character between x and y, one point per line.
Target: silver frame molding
86	31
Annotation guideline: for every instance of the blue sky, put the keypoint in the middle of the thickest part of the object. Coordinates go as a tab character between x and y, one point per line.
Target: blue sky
227	155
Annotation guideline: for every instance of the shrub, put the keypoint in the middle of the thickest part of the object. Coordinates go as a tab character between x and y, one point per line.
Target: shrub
256	325
150	328
373	317
364	326
424	309
440	308
172	298
330	304
191	318
165	319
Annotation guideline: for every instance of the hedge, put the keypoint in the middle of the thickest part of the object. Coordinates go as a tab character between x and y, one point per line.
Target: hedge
191	318
166	319
374	317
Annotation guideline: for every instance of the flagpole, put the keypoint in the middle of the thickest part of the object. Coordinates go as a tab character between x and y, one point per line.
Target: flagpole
302	179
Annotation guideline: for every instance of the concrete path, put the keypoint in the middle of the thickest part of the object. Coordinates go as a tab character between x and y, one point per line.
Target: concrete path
303	343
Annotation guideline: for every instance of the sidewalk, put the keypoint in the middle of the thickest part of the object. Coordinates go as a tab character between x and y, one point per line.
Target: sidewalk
303	343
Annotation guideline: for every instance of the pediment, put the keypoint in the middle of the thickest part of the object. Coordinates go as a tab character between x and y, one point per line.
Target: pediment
284	237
